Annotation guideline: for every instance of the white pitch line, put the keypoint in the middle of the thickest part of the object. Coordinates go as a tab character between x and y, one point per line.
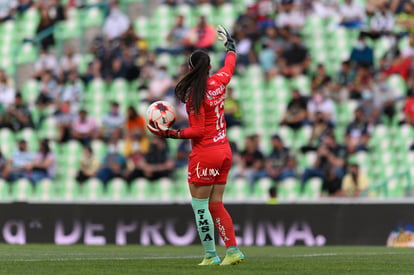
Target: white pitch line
101	259
192	257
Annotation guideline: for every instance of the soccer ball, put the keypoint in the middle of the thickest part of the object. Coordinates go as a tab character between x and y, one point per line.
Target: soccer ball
162	113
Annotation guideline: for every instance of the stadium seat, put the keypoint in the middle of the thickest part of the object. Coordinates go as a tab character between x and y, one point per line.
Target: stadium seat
288	189
4	190
93	190
312	188
45	190
261	189
7	141
22	190
117	189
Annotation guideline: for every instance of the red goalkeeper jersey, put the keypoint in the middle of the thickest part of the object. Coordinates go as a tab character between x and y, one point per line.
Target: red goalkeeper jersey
209	127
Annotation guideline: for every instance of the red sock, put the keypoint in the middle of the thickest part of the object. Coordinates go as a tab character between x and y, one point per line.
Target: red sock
223	223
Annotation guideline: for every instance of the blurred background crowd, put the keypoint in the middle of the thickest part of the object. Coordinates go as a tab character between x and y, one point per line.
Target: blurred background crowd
321	103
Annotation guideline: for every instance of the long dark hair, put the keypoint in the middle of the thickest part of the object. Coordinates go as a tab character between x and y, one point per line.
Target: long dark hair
193	85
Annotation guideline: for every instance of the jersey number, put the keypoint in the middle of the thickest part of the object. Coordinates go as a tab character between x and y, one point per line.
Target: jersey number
220	117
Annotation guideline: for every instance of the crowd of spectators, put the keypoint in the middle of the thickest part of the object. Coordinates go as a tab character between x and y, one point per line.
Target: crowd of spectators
269	34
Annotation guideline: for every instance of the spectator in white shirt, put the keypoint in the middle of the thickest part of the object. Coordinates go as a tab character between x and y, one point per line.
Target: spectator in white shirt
116	23
112	123
7	93
352	14
73	91
289	17
7	9
19	164
69	62
319	103
381	23
45	62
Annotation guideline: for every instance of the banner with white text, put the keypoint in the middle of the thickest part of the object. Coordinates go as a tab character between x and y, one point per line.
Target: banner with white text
258	225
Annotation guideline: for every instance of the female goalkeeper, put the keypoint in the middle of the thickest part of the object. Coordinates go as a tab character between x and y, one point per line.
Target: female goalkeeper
211	157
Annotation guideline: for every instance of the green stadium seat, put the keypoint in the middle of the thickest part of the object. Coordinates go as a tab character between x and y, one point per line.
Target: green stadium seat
117	189
261	189
242	189
30	136
68	189
288	189
397	85
7	142
48	128
30	91
22	190
312	188
142	189
93	190
93	16
45	190
4	190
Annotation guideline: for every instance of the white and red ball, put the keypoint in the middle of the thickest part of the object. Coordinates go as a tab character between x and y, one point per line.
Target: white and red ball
162	113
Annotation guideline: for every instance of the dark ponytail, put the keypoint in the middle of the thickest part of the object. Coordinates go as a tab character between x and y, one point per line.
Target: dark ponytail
193	85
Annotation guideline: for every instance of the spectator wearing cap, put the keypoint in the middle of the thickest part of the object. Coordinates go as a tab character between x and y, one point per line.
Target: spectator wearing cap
18	115
280	164
20	163
112	123
84	128
296	113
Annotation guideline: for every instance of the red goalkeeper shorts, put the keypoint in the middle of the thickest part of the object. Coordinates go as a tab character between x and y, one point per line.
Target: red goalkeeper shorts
210	166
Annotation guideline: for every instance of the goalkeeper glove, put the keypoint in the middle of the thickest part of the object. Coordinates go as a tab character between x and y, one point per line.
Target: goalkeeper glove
228	41
153	127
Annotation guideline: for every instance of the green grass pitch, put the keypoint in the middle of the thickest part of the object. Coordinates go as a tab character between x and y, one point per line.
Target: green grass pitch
79	259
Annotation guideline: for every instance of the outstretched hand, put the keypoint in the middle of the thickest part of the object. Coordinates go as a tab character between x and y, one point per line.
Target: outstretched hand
225	36
153	128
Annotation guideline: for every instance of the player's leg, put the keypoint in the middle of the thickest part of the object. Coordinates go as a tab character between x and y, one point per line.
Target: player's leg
221	217
205	225
224	225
